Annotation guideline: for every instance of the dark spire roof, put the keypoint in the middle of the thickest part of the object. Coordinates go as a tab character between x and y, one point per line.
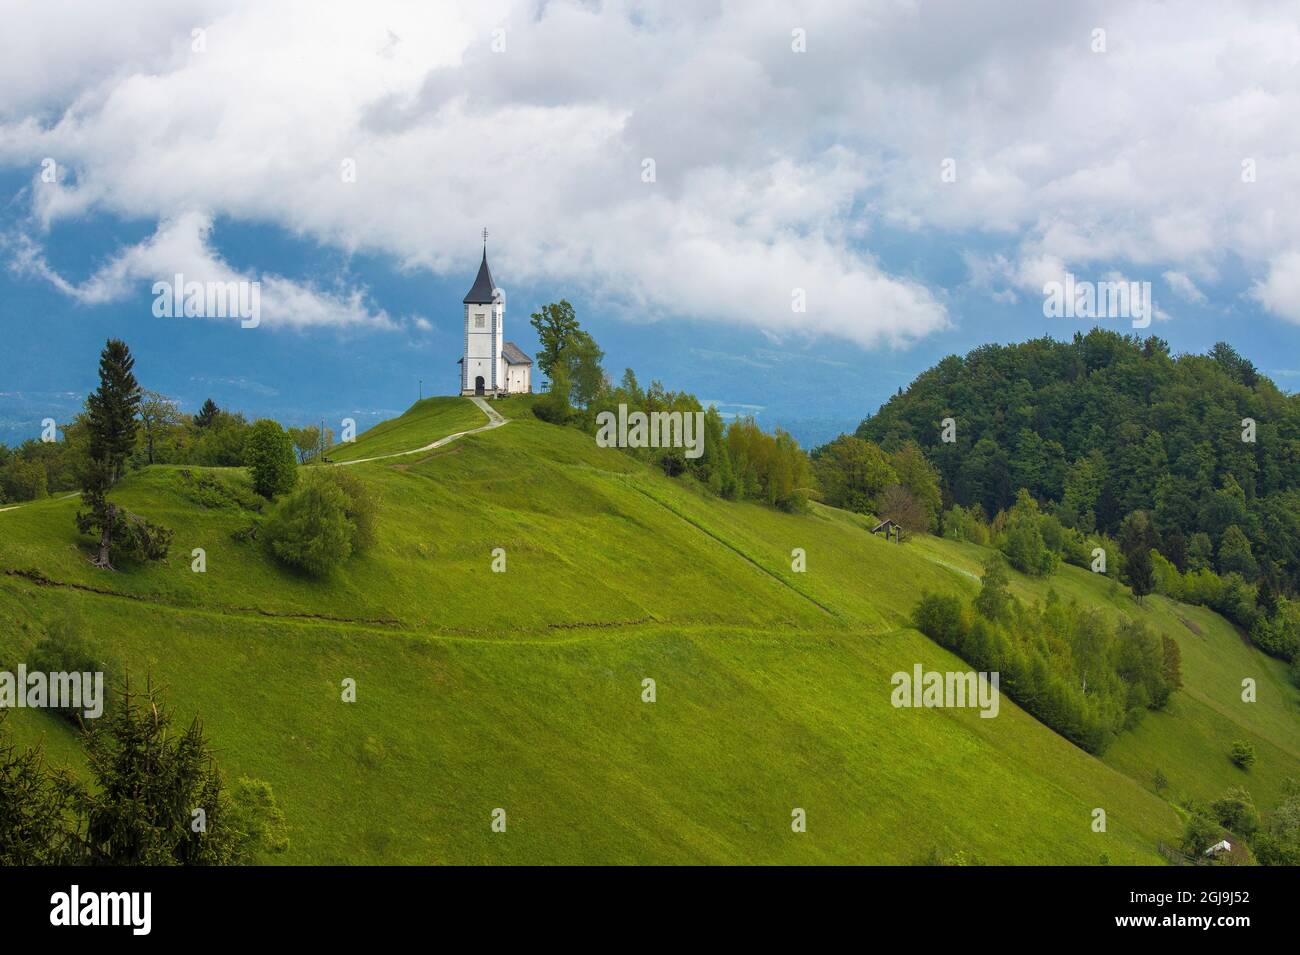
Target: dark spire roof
481	293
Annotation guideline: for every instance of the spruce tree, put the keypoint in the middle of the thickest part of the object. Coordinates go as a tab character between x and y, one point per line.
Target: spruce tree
112	409
111	418
206	414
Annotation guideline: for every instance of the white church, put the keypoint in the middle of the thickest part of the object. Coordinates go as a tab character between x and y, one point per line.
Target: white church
491	366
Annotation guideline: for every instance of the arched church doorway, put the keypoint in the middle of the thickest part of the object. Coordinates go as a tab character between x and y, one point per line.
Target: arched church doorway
478	385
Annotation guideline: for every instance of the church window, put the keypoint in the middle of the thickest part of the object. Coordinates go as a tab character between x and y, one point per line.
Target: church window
480	320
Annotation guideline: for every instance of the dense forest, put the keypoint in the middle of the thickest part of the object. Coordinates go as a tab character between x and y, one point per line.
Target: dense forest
1107	425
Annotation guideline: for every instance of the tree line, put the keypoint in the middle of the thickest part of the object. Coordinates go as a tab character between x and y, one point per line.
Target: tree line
1086	678
740	461
1191	459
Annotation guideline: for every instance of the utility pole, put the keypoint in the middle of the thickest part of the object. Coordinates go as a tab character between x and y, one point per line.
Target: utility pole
421	389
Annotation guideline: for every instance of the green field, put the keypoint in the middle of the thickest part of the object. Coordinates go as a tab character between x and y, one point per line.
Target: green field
432	416
522	689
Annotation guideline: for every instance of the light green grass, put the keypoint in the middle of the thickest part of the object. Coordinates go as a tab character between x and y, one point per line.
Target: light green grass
420	425
522	689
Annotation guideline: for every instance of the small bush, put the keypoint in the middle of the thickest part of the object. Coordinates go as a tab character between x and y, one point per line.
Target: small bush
64	650
1202	831
320	525
1235	810
360	508
310	530
269	457
1242	753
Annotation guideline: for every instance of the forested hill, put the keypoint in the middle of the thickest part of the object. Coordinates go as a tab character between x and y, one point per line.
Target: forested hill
1107	424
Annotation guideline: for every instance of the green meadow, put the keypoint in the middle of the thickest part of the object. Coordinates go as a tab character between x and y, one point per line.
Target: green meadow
522	690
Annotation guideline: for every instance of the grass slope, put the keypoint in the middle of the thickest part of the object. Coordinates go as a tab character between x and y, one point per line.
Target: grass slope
423	423
522	690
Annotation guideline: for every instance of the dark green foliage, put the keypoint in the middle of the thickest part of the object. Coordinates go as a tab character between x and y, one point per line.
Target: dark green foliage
149	782
34	802
111	429
65	649
142	807
1235	810
1242	753
569	358
220	443
111	408
920	479
553	406
269	457
1071	670
22	476
320	525
1235	556
210	489
122	533
853	474
207	414
1201	832
556	325
994	599
1022	539
359	507
309	530
1137	539
1143	431
1278	843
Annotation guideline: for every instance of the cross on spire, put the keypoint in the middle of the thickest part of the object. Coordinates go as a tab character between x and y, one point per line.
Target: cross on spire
485	235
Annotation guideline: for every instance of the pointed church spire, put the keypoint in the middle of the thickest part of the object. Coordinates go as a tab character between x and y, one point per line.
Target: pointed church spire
481	293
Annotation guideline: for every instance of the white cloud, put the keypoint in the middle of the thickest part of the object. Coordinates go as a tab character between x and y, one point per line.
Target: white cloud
1279	292
775	170
1184	287
181	246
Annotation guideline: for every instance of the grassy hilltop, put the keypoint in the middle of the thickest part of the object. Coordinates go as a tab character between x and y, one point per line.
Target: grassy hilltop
522	689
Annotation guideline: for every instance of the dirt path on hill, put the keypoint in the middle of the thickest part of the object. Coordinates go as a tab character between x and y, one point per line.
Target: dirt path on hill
14	507
494	421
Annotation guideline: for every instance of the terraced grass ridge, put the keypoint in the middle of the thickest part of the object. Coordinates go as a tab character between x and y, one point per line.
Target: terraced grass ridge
523	690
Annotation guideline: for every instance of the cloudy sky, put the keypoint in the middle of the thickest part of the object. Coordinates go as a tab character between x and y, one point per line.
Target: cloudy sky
913	172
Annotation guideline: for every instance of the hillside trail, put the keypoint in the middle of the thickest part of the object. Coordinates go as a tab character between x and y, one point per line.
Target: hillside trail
494	421
14	507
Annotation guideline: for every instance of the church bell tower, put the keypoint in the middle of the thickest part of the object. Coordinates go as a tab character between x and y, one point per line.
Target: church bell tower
492	366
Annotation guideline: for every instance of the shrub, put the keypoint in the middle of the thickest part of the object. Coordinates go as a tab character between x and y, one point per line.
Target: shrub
360	508
1242	753
853	473
269	457
1235	810
553	407
1022	540
320	525
64	650
310	530
1201	833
